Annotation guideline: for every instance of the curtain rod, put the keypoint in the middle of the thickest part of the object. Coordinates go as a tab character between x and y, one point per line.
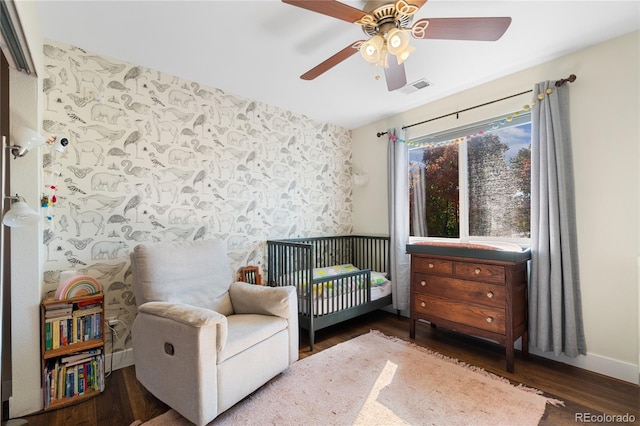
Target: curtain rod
559	83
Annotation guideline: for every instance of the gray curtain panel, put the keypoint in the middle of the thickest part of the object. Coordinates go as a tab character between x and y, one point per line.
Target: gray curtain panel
418	209
555	311
398	187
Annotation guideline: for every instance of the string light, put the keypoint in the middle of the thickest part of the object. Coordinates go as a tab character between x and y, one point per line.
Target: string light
491	126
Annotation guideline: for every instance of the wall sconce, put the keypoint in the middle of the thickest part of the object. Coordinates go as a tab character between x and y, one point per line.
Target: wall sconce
360	178
19	214
28	139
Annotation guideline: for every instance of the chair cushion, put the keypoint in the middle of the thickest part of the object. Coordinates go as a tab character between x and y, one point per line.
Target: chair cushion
246	330
258	299
191	272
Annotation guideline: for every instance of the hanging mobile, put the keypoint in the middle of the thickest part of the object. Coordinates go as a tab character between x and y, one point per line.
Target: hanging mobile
51	183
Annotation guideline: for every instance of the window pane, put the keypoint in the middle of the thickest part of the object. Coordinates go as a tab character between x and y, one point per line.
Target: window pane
499	179
433	191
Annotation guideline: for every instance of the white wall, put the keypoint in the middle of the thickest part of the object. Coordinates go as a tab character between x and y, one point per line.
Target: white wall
25	258
605	134
26	266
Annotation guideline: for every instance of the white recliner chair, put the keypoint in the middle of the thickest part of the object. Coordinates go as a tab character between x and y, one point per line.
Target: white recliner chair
201	341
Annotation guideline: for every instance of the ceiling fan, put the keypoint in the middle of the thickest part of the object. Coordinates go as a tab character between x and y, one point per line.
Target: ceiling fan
389	27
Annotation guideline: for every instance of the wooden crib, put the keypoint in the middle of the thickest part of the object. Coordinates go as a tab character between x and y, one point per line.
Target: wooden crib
349	276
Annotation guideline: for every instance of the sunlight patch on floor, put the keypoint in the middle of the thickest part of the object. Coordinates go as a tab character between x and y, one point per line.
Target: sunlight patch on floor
372	409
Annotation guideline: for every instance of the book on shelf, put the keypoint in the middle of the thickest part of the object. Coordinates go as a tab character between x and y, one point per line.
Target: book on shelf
48	335
60	374
55	336
58	306
81	380
64	336
80	356
69	373
60	332
89	310
58	313
68	383
89	302
72	379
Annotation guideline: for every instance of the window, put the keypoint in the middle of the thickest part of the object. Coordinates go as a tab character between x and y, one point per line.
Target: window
472	182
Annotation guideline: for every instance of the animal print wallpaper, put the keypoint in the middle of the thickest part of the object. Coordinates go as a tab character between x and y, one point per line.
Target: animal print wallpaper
154	157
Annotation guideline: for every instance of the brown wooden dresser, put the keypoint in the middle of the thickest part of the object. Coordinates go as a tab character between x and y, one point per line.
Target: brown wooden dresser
472	291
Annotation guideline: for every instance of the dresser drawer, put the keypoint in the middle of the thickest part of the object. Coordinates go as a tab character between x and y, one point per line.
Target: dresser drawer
461	290
480	272
431	266
482	317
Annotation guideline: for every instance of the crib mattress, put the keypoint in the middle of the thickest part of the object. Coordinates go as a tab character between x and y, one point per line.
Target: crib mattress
327	305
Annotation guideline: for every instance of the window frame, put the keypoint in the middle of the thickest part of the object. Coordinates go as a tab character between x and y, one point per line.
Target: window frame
460	134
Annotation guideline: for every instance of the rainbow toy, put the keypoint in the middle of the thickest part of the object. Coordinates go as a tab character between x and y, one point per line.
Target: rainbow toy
77	286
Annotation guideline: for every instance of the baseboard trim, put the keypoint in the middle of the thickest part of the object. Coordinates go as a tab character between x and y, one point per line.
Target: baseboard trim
610	367
597	364
119	359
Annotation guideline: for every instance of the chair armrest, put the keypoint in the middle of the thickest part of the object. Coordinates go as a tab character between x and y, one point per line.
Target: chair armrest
189	315
256	299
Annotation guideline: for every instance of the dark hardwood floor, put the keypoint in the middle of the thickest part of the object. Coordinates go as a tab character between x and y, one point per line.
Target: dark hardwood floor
125	400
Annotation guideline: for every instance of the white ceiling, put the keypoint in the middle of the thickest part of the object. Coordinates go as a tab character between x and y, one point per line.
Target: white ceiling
258	49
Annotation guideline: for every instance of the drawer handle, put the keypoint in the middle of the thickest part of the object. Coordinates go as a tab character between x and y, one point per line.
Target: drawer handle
423	283
490	294
423	304
477	271
489	319
431	266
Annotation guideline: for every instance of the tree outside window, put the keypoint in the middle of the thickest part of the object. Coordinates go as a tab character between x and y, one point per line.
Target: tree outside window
496	177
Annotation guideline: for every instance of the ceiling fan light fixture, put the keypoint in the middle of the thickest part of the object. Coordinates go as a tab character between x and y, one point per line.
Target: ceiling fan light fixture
383	62
402	56
371	50
398	44
397	41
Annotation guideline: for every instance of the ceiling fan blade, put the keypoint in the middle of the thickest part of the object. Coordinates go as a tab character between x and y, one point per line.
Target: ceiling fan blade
480	29
395	75
332	8
332	61
417	3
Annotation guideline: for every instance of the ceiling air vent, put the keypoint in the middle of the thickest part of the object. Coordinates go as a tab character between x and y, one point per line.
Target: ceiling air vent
415	86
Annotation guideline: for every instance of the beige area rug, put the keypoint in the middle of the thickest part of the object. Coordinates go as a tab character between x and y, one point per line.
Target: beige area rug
374	379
